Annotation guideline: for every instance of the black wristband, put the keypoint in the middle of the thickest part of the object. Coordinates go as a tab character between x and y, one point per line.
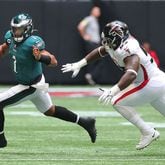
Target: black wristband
45	59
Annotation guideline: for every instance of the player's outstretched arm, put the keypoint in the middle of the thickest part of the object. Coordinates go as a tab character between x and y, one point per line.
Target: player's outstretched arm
3	49
44	57
92	56
74	67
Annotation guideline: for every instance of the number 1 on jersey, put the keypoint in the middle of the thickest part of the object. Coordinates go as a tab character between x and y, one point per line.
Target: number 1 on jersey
15	62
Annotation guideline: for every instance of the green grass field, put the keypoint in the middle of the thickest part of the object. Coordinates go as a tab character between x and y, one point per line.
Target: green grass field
37	140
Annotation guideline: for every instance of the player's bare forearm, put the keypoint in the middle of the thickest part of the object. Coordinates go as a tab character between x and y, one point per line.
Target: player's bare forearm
95	54
131	68
3	49
126	80
53	61
44	56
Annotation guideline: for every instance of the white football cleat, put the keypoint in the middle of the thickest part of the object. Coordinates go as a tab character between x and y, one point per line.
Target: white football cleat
146	140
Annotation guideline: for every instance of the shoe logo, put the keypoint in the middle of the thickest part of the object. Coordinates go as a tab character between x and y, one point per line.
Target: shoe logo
153	134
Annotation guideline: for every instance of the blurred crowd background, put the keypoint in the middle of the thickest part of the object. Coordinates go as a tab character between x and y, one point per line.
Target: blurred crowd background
57	20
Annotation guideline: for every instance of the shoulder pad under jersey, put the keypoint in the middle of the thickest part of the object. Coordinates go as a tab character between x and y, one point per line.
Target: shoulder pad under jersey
36	41
129	47
8	37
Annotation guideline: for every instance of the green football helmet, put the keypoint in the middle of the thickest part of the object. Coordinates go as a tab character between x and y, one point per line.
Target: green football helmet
21	27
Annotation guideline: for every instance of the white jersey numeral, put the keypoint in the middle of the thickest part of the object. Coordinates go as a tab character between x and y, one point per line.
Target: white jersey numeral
15	64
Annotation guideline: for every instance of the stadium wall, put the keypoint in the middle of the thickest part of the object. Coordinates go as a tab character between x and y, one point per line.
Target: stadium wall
56	21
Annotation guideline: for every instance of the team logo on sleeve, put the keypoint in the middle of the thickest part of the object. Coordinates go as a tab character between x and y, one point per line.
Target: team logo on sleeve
39	44
8	41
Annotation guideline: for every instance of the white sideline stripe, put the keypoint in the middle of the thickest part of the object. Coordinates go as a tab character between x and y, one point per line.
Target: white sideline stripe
66	89
111	159
22	106
83	113
94	89
98	113
157	125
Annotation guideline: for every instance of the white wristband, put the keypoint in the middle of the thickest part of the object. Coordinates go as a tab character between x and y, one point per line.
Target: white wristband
115	90
82	63
131	70
99	50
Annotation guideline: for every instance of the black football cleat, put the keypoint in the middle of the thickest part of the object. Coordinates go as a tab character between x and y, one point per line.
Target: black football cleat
88	124
3	141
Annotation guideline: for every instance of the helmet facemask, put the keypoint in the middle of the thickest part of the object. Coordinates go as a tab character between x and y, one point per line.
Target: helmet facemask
113	34
111	41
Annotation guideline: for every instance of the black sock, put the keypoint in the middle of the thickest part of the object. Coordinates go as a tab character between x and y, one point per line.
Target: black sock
2	120
65	114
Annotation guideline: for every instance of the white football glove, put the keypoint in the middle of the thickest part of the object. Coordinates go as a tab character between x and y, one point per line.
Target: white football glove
74	67
71	67
108	94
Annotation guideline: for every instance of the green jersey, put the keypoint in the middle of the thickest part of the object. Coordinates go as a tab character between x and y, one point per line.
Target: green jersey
25	67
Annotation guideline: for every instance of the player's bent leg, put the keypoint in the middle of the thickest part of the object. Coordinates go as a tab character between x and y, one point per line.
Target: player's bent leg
3	141
133	117
159	105
147	139
149	134
88	123
14	95
62	113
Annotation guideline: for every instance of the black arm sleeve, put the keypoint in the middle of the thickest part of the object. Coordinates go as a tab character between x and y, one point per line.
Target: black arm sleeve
45	59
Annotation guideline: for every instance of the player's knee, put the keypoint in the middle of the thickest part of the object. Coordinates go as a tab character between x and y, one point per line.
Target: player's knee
50	111
115	106
118	106
113	102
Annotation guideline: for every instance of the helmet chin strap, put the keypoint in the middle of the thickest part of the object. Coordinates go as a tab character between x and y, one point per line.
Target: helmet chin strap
125	37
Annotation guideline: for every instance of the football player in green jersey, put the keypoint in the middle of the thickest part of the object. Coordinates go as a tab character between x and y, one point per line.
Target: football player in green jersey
27	52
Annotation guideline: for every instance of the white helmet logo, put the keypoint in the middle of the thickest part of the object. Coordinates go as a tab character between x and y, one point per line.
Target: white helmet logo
22	16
